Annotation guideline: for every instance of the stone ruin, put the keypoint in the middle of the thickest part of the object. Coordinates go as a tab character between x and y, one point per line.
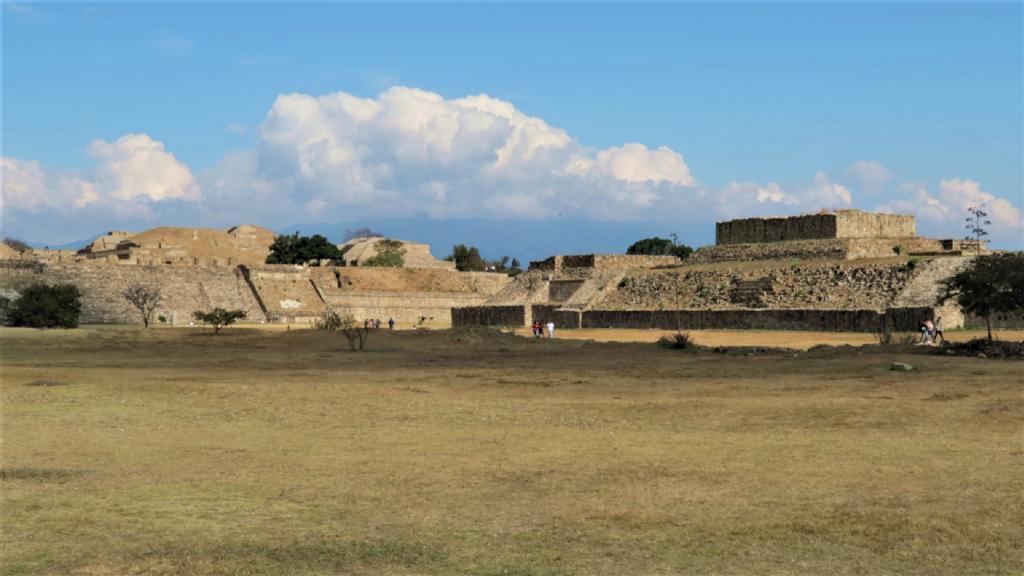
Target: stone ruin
839	235
358	250
202	268
845	270
830	271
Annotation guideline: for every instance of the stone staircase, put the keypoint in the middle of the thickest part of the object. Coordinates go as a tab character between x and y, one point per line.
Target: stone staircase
750	293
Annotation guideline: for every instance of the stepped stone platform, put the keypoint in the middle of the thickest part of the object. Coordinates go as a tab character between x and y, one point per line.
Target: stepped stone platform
842	270
199	269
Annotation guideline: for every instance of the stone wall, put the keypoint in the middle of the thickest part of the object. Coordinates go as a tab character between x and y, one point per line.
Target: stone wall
829	249
999	321
185	289
561	317
489	316
900	320
562	290
857	224
563	264
830	286
832	225
406	308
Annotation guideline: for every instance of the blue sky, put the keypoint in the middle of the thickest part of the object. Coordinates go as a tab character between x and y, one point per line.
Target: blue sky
133	115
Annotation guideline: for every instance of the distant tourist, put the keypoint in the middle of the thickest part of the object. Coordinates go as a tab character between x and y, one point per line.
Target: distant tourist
551	329
391	323
536	328
926	331
937	332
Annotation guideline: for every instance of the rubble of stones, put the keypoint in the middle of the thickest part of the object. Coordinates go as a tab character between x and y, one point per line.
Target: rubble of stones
871	286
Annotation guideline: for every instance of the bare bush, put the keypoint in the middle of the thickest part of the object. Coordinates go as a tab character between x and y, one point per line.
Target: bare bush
145	300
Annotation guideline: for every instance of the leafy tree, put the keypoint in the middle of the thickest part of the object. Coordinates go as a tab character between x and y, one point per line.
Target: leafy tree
361	233
389	254
991	284
296	249
218	317
467	259
977	220
660	247
45	306
145	300
16	244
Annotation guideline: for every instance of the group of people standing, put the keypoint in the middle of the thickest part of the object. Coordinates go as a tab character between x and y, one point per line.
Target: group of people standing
539	327
931	331
375	323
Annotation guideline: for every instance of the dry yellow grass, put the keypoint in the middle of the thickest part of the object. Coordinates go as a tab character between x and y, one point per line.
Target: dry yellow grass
470	452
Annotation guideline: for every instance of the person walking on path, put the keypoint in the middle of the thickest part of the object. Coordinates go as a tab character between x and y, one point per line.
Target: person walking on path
937	331
391	323
551	329
929	328
926	335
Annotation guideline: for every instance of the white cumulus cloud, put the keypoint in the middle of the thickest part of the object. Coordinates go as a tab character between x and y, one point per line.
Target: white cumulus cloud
129	174
410	151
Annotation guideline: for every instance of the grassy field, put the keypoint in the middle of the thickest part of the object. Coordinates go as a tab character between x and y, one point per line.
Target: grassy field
469	452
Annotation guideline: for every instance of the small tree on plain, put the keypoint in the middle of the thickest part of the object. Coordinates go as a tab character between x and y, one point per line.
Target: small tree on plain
218	317
145	300
991	284
354	332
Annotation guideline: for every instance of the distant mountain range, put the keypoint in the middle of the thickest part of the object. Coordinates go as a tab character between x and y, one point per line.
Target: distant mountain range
525	240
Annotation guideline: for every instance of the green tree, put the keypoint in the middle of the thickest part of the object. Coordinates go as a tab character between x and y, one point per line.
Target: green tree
296	249
660	247
218	317
990	284
45	306
389	254
467	259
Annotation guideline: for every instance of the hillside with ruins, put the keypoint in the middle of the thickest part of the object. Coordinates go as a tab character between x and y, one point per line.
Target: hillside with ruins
845	271
840	271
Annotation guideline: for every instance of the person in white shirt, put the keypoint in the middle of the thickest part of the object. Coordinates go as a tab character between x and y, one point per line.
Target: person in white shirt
551	329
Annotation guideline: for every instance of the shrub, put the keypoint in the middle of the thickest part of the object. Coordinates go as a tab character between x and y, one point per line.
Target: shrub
912	264
390	254
897	249
46	306
354	332
660	247
162	319
329	321
218	317
677	341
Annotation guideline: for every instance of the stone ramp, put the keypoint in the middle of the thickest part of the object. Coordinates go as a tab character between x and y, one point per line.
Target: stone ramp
594	289
924	289
528	287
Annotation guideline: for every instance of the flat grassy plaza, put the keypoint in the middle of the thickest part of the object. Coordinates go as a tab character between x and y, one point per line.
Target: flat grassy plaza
173	451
